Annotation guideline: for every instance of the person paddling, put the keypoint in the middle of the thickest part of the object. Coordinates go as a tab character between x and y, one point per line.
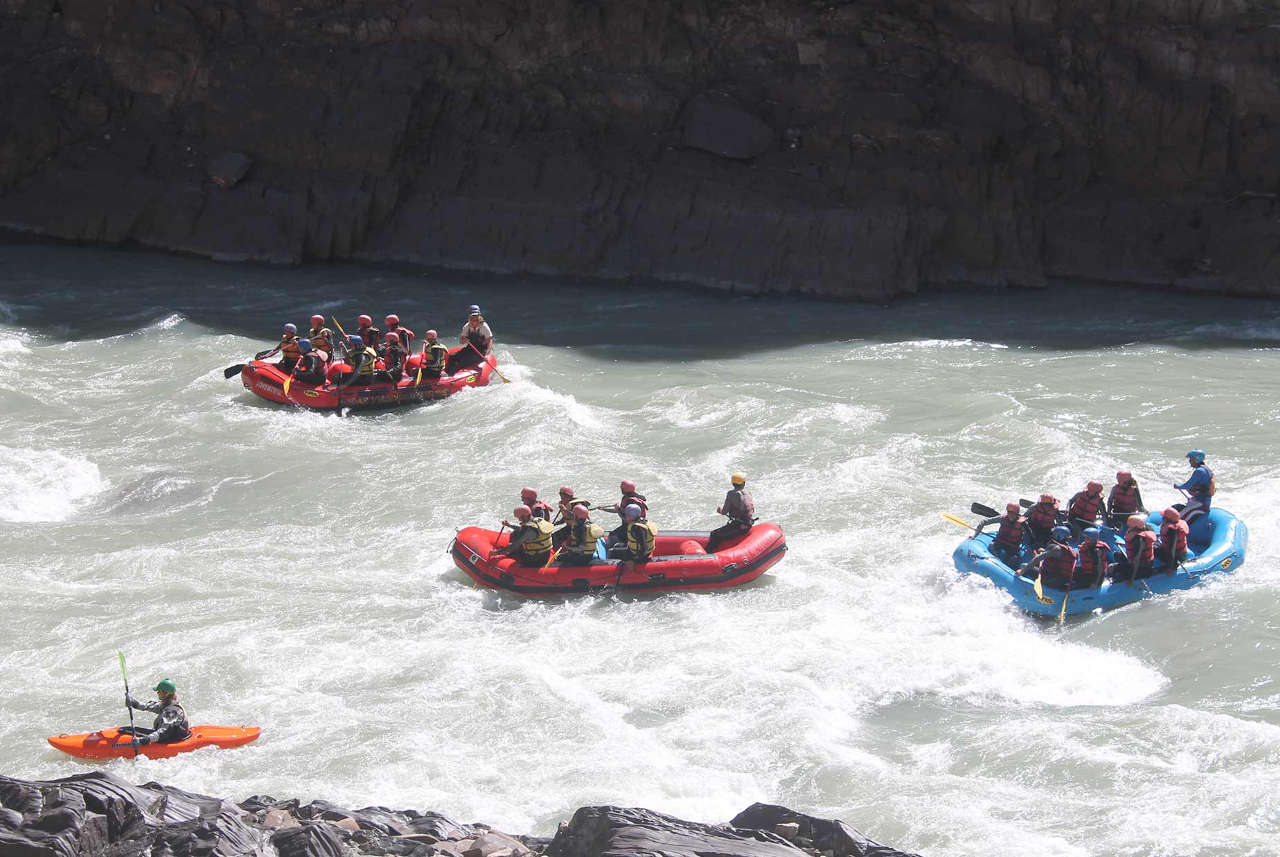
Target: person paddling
393	357
1171	549
288	349
477	339
1056	564
1084	506
640	533
310	368
739	508
321	337
434	356
1200	488
399	331
530	538
171	720
1124	500
1140	548
580	536
370	335
629	496
1094	558
1041	519
362	361
1007	544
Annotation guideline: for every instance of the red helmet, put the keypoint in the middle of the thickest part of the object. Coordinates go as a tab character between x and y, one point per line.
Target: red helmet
1123	476
1171	514
1012	508
566	491
1094	485
528	495
580	512
628	485
1048	498
522	511
317	320
431	334
364	321
393	319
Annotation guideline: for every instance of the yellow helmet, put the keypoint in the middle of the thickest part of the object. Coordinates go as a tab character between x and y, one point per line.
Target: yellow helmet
738	479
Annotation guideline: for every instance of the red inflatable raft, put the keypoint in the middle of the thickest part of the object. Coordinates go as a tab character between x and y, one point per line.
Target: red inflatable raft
680	562
263	378
111	744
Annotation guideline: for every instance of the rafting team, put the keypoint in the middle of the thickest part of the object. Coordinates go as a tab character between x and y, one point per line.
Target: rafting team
1050	530
374	356
535	541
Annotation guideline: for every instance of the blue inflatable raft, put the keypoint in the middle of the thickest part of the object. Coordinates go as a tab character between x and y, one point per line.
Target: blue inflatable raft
1217	543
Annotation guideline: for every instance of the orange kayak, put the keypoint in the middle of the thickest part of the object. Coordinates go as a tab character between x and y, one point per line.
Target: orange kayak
110	744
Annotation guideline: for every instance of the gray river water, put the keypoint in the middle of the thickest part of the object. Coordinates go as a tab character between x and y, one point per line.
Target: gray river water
288	569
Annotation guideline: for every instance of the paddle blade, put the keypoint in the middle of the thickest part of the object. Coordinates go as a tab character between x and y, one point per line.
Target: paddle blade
1025	503
287	383
984	511
1063	615
232	371
123	671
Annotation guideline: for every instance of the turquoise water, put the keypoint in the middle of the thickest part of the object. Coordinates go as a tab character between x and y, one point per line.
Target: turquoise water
288	569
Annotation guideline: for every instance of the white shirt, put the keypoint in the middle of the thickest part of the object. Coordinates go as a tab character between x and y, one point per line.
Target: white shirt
483	329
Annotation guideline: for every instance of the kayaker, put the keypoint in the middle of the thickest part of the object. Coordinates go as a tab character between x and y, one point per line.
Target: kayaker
1094	558
1200	488
477	339
393	356
362	361
629	496
530	538
404	334
371	336
1140	546
434	356
580	536
1171	549
310	368
1041	519
640	533
1007	544
321	337
1084	506
288	349
739	508
171	721
1056	564
540	508
1124	499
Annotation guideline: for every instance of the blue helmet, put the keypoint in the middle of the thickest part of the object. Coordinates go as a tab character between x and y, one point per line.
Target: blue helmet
473	310
1092	533
304	345
1060	533
631	511
1196	456
290	328
355	341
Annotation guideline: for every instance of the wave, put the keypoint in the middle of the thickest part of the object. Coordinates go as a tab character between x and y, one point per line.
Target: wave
44	485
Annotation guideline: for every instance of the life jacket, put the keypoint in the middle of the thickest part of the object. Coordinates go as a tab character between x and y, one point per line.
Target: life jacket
1043	516
566	506
642	538
289	350
739	506
1010	532
171	724
1085	506
581	536
436	355
540	543
369	363
542	510
477	338
310	368
1175	531
402	333
1124	498
1092	558
1208	489
1140	545
370	335
321	338
630	497
1060	560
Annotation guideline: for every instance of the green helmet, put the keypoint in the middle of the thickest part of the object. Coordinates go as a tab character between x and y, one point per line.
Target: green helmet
166	685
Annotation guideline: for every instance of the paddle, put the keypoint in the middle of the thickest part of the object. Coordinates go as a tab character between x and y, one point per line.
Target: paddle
493	547
492	366
551	558
133	739
984	511
1066	595
958	522
232	371
1039	590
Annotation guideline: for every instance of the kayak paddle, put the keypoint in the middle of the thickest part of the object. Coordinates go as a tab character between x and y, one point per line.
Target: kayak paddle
133	739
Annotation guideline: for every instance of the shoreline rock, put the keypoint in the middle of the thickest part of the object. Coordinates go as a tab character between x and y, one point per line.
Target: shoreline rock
97	813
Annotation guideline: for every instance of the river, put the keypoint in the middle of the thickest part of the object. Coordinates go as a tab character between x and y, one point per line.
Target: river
288	569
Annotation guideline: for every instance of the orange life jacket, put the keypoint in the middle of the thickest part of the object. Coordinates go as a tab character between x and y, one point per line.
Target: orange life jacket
1043	516
1093	558
1085	506
1140	544
1059	560
1124	498
1010	532
1175	531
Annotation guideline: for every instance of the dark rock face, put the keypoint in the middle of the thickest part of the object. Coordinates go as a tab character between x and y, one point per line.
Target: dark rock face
98	814
848	149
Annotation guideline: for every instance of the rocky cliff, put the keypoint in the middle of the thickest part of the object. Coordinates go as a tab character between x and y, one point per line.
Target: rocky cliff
100	815
854	149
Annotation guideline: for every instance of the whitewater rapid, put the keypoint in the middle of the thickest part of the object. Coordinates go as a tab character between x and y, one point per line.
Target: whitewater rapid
288	569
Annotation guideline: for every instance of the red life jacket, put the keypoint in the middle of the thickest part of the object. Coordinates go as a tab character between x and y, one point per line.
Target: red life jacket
371	336
1141	546
1175	531
1043	516
1124	498
632	497
542	510
1093	558
1059	560
1010	532
1085	506
739	506
404	334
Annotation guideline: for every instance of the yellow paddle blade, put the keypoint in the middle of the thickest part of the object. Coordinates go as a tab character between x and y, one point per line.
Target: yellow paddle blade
959	522
1063	615
418	380
1039	590
287	382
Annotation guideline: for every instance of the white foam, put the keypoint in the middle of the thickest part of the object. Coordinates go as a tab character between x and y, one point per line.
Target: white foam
44	485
